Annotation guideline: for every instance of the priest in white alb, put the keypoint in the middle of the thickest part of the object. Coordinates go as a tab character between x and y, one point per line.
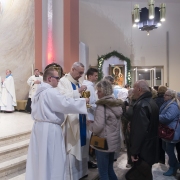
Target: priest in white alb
46	154
74	127
33	83
8	97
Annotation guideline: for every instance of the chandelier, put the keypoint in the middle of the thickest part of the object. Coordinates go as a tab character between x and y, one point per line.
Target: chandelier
147	19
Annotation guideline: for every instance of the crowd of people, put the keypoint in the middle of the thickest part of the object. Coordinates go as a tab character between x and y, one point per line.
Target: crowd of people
60	147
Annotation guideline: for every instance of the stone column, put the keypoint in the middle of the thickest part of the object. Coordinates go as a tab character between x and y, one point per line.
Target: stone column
71	33
56	33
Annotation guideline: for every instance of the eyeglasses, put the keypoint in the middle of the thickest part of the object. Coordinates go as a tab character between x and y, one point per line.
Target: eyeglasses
80	72
57	78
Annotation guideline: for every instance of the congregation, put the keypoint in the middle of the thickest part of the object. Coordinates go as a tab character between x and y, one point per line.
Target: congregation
60	145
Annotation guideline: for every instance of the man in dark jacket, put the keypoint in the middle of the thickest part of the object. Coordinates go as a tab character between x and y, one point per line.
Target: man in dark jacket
143	133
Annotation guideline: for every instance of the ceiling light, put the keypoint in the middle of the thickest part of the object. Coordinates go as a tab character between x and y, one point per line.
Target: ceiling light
150	18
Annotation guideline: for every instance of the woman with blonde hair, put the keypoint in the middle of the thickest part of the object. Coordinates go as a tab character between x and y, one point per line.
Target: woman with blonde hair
106	125
169	115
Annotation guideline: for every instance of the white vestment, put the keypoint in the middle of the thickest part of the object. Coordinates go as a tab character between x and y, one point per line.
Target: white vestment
46	154
122	94
8	98
33	87
77	159
92	99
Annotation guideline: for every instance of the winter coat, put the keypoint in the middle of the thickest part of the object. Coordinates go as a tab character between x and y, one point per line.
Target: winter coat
111	128
144	138
169	115
159	100
127	114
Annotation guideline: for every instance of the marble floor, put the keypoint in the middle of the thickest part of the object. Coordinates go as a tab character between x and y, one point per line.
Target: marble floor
120	169
17	122
157	169
14	123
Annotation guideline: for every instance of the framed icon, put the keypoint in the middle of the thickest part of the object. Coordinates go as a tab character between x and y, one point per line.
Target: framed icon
117	71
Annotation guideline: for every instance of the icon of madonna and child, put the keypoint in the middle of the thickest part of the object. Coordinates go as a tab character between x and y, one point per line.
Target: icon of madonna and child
118	76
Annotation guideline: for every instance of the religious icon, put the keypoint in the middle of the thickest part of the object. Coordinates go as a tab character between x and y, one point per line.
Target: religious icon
118	76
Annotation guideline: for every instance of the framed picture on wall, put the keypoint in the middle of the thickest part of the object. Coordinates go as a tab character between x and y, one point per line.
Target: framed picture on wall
118	72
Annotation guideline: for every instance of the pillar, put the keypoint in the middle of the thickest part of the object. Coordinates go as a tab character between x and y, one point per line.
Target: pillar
71	33
56	33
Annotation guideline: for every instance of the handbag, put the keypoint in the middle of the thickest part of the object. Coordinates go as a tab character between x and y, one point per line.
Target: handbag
141	170
98	142
166	132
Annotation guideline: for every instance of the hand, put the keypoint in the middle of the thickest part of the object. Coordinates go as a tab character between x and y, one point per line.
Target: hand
128	126
87	100
82	88
37	82
88	122
134	159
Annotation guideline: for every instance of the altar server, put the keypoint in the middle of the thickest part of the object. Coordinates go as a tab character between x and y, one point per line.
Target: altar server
74	127
33	82
92	76
8	97
46	154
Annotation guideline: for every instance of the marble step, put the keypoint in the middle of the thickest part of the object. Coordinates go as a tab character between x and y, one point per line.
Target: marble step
92	175
14	138
13	150
19	175
12	166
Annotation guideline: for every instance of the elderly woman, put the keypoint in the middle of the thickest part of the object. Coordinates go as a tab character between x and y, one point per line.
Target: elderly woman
106	125
169	115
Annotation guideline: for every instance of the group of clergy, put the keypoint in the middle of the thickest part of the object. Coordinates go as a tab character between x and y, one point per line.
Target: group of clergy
7	93
60	153
49	147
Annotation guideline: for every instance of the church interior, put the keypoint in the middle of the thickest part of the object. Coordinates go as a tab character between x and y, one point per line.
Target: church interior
97	33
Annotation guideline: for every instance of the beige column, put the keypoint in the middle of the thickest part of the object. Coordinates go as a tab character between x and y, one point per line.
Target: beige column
38	34
71	33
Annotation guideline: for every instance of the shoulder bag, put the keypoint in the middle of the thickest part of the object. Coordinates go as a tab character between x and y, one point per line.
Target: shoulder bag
165	132
98	142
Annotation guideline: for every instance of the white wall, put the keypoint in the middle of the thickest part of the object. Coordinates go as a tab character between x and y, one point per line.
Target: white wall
17	42
106	26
